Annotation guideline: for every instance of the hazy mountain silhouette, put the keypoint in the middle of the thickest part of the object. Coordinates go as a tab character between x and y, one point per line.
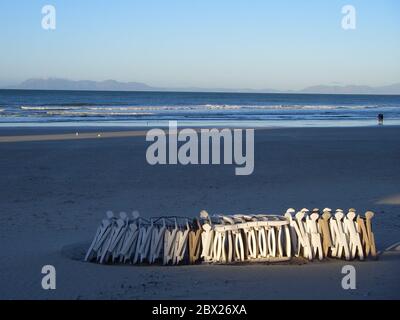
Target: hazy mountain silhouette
112	85
64	84
353	89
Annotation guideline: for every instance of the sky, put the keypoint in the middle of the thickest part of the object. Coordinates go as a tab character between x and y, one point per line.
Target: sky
258	44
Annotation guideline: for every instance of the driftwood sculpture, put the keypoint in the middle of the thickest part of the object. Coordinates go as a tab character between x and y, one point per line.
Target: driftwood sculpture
227	239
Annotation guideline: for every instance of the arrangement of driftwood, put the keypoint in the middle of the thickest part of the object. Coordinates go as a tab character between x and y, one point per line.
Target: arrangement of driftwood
226	239
244	238
136	240
336	235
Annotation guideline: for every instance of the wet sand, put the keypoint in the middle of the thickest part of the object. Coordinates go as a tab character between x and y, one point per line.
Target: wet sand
54	192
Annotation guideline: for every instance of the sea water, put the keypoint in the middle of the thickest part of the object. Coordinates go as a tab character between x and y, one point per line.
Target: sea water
110	108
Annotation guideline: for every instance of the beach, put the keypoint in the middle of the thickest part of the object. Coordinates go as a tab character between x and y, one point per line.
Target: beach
54	193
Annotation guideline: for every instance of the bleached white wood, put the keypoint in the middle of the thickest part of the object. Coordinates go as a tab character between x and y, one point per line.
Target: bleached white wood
103	252
129	246
353	236
217	246
368	217
157	242
288	248
139	244
341	246
99	238
239	245
117	239
271	243
315	237
230	241
262	242
207	242
252	242
119	233
226	239
170	243
292	229
145	243
182	244
230	254
130	239
279	241
103	236
305	245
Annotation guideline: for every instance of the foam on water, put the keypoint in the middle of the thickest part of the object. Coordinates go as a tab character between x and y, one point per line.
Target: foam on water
200	107
44	107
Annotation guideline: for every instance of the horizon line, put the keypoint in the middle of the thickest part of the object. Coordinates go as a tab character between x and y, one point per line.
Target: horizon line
293	92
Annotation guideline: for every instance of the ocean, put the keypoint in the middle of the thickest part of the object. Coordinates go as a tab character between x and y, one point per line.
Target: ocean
92	108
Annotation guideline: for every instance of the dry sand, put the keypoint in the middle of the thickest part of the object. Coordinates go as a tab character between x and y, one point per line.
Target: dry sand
53	194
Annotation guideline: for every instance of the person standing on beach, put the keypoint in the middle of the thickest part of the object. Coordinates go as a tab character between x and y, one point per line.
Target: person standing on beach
380	119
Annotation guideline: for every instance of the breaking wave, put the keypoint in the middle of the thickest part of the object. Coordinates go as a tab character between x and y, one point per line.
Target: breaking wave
96	114
197	107
44	108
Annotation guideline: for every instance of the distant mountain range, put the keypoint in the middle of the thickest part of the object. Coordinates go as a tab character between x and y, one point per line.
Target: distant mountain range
64	84
352	89
112	85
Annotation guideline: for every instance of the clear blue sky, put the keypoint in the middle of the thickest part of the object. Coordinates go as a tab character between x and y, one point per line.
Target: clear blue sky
285	44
